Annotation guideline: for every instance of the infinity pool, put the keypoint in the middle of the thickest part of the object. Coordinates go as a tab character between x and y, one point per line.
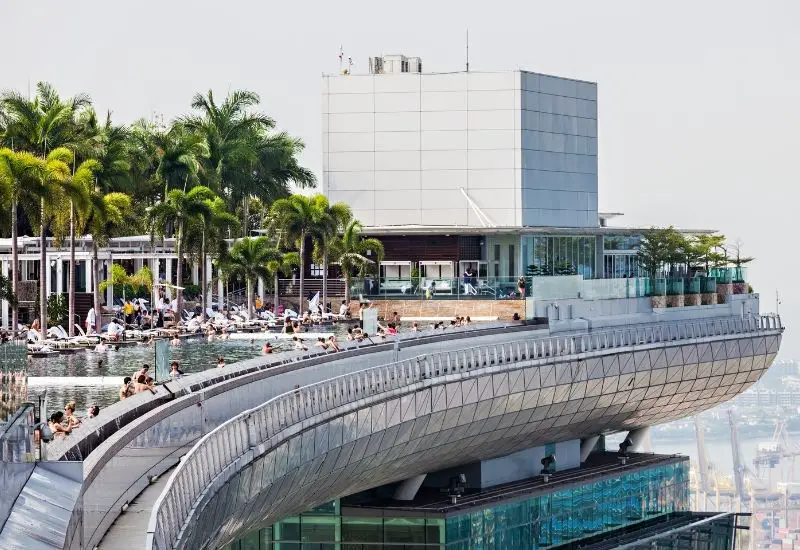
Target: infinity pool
193	355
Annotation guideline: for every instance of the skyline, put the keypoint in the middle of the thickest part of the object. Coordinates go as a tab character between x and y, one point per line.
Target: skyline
694	112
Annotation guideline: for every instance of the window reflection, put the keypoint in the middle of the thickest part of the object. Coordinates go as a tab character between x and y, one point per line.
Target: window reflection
543	520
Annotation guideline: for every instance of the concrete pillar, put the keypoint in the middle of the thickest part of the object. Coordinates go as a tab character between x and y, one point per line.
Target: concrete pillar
154	269
407	489
220	293
587	446
209	290
195	273
137	264
59	286
168	278
110	288
5	308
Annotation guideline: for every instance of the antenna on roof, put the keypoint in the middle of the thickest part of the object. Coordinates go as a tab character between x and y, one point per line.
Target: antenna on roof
467	50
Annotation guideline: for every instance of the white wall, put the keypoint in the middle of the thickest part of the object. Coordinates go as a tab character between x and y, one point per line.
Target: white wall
559	151
398	147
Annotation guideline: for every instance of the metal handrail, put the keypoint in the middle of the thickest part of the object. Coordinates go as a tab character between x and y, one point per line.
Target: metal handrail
280	418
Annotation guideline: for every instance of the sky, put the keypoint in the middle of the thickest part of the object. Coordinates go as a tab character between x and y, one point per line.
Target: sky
697	100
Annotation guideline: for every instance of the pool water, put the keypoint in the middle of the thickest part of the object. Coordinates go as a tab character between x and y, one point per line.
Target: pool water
193	355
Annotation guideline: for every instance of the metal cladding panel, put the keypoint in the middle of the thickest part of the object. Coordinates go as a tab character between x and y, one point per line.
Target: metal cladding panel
478	410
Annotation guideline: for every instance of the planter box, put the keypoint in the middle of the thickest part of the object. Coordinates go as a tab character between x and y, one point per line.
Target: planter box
658	301
708	298
691	299
739	288
723	290
675	300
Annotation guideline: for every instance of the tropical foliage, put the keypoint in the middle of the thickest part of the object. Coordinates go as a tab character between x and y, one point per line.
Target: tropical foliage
207	180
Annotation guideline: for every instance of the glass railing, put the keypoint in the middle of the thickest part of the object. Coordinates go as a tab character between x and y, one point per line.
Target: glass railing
491	288
540	288
726	275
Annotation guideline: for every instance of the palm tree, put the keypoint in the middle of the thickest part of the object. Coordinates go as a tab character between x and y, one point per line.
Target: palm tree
331	219
244	159
178	210
281	264
296	218
228	130
39	126
52	181
248	258
64	220
17	172
208	234
106	215
179	156
352	252
276	169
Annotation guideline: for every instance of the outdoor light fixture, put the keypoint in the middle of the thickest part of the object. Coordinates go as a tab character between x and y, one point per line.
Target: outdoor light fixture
548	467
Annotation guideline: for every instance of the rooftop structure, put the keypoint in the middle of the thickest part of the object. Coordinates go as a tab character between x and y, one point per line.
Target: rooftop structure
477	149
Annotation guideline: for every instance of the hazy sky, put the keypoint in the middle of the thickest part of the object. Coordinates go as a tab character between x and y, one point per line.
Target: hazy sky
698	101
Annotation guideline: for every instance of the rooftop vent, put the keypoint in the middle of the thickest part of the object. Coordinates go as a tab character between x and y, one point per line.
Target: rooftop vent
394	64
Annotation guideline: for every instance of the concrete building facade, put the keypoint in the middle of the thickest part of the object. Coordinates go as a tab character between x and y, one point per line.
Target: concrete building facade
467	149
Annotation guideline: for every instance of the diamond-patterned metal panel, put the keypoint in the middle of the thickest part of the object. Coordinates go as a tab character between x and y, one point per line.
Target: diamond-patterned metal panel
501	409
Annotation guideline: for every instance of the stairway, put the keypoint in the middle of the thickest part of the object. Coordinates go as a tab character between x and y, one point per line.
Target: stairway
290	289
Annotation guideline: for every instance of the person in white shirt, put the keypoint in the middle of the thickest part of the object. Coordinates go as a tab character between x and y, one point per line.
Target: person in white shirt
91	320
343	309
114	330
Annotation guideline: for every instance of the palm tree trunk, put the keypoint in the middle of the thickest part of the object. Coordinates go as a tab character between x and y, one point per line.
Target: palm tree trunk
249	298
71	321
324	277
302	272
42	272
179	274
98	310
346	287
14	265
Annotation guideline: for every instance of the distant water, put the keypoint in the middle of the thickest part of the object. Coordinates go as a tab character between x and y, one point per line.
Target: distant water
720	454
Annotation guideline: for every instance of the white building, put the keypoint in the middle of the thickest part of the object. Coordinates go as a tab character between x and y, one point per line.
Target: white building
464	149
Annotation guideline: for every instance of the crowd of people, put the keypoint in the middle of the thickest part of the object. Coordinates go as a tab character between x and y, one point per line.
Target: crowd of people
61	423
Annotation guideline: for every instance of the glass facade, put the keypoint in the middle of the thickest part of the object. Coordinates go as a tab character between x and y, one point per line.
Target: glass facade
555	255
539	521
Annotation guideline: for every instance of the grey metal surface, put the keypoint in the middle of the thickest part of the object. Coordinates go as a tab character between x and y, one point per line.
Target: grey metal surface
145	436
346	434
16	457
41	515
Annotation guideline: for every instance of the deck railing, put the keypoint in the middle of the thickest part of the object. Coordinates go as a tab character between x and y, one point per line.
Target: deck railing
283	416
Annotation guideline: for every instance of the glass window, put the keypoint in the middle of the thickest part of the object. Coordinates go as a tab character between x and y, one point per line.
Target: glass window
319	528
512	268
404	530
251	541
362	529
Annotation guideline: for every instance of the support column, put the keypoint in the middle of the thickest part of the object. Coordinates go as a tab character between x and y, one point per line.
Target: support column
220	294
195	273
59	286
209	290
154	268
168	278
137	264
587	446
109	288
5	308
407	489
